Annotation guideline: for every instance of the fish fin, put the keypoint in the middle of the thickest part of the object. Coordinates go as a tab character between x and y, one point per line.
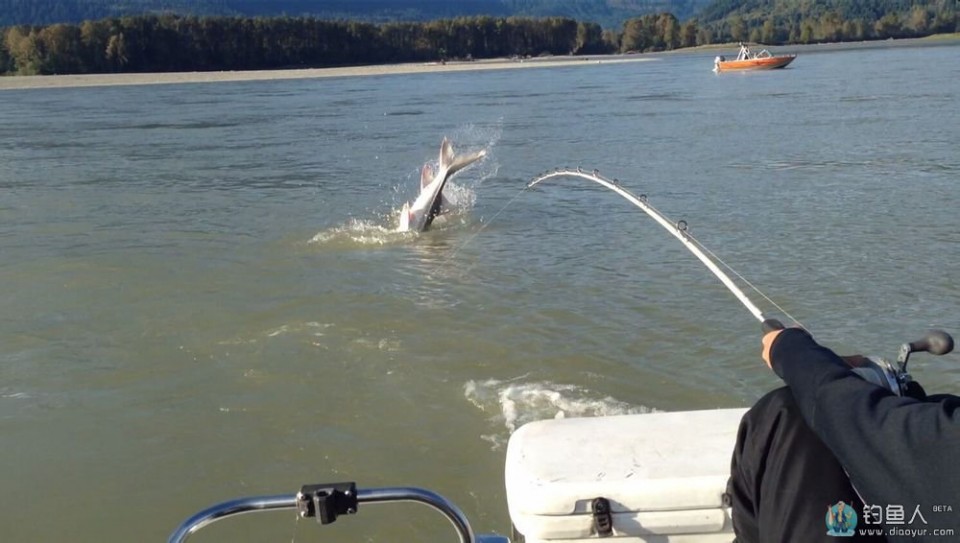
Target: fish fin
462	162
446	154
404	218
426	176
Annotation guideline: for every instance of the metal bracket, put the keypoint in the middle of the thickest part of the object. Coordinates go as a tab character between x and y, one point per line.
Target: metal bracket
903	356
327	501
602	519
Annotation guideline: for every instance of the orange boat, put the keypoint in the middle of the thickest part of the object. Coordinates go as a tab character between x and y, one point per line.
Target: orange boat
747	60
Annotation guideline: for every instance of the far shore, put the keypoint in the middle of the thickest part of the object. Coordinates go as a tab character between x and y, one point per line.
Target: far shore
97	80
16	82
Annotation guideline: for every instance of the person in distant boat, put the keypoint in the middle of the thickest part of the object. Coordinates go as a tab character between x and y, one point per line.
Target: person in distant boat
830	436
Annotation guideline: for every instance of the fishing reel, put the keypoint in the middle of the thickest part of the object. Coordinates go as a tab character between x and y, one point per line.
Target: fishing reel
879	371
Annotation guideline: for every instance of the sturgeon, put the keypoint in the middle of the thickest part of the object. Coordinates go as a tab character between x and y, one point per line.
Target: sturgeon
419	215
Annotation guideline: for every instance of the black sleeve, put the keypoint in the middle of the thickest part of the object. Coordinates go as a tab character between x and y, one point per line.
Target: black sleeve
897	451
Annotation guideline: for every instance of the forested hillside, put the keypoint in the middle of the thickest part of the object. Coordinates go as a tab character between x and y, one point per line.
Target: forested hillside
810	21
608	13
173	42
848	9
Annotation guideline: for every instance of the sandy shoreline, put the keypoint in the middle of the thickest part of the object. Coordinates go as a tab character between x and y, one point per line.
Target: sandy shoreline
102	80
98	80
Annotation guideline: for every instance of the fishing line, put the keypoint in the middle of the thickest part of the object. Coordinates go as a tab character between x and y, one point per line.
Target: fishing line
679	230
482	227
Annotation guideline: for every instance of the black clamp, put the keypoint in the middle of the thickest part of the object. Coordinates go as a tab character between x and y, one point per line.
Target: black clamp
602	518
327	501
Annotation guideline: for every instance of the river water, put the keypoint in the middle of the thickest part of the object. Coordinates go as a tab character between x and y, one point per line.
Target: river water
203	298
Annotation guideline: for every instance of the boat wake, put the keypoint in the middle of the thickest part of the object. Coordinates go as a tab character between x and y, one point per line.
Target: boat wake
514	403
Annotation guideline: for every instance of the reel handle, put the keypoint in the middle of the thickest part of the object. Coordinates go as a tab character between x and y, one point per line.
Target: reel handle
770	325
936	342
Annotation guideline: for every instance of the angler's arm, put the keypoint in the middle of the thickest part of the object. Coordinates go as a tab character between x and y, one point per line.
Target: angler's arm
897	451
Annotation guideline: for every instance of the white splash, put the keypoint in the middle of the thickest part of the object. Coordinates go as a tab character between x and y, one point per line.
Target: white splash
514	403
360	232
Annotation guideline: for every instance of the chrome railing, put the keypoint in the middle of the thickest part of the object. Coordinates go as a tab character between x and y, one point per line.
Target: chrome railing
327	502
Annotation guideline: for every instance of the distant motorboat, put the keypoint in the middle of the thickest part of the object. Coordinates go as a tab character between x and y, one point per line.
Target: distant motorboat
748	60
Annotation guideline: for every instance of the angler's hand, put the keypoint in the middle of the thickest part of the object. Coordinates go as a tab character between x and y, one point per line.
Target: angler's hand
767	341
854	360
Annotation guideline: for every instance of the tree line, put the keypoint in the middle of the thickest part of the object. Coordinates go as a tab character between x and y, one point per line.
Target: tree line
168	43
831	21
174	43
609	13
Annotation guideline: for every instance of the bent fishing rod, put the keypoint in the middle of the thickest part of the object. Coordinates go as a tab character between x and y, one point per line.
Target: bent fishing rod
679	230
877	370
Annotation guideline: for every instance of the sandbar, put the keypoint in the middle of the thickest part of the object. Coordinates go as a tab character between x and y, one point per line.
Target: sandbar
99	80
14	82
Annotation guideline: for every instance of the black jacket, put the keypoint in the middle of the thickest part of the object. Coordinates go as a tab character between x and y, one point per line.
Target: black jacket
897	451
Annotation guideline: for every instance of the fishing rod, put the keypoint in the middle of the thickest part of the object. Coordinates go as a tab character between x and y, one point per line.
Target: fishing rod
679	230
873	369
